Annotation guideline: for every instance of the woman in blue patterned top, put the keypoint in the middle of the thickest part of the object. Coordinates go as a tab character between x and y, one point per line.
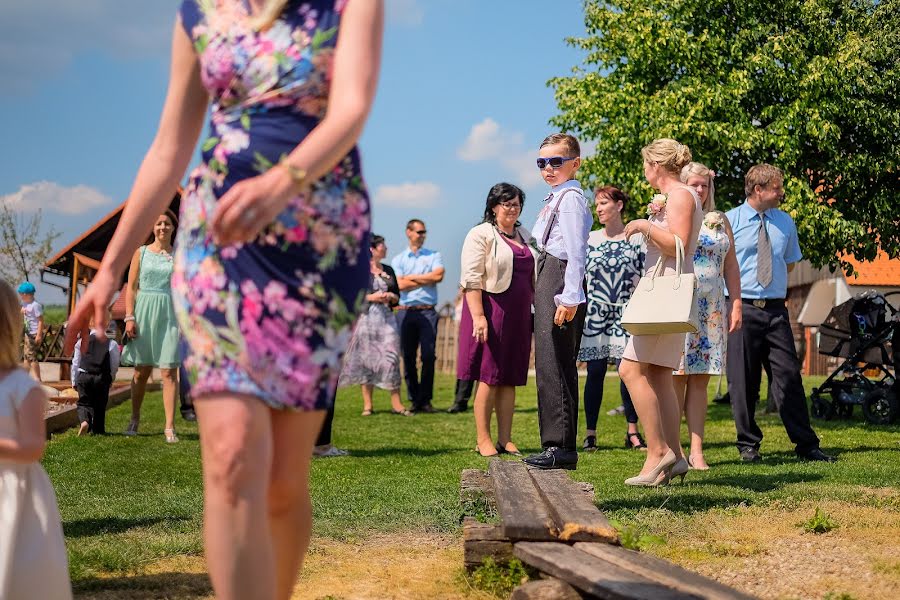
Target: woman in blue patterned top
614	266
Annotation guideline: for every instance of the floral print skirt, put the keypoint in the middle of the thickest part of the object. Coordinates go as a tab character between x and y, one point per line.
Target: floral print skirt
272	318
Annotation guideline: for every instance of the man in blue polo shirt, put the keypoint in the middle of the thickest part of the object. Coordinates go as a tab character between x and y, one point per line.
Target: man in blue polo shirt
765	241
418	270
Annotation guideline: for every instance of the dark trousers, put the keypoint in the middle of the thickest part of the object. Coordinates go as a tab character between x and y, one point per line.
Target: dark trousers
325	433
593	394
184	392
93	396
766	337
556	349
464	389
418	329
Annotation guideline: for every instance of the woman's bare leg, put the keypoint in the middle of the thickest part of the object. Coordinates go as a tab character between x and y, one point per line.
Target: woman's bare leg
138	389
484	406
636	378
236	448
170	395
505	405
290	508
367	397
396	403
695	412
661	380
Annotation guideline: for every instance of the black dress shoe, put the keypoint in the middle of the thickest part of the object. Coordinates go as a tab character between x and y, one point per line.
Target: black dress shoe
189	415
425	408
750	455
553	458
816	454
457	408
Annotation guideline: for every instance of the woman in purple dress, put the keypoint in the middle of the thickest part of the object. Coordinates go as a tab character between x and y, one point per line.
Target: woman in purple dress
495	327
271	263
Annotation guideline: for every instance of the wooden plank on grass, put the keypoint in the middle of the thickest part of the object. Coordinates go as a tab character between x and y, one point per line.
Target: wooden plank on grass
475	483
663	571
521	507
545	589
482	541
594	575
577	518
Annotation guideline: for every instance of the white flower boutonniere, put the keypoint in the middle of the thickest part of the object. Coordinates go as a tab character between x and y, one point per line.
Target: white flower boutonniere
714	220
657	205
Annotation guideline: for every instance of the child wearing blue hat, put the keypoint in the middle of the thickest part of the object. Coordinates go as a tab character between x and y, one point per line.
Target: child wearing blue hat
33	313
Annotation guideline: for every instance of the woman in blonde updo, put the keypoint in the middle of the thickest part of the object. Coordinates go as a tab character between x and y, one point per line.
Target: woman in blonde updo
649	360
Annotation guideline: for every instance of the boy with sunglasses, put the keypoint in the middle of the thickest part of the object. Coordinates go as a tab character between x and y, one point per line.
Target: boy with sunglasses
561	230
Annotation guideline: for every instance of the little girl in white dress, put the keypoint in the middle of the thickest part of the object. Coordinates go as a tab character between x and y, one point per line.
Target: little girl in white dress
32	552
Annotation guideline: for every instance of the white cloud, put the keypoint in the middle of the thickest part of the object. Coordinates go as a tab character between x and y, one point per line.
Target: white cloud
405	12
487	140
420	194
53	198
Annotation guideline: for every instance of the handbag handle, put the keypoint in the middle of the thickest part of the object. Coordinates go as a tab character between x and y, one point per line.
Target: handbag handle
679	258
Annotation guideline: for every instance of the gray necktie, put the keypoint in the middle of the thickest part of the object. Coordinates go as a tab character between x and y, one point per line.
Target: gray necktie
763	254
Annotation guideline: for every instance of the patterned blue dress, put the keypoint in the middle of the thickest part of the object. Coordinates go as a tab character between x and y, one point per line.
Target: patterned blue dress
613	269
273	317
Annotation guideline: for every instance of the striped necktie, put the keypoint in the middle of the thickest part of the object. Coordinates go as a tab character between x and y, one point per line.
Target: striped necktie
763	254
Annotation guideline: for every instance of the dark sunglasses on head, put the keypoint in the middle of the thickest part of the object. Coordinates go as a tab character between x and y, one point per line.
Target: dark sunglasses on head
554	161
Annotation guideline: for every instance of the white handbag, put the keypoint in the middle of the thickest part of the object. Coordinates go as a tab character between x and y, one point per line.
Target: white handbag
663	304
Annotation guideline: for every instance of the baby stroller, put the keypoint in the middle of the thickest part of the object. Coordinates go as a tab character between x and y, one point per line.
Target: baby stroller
862	331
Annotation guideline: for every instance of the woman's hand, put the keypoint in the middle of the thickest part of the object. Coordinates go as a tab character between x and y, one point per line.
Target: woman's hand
480	328
131	330
641	226
250	205
94	303
564	314
736	318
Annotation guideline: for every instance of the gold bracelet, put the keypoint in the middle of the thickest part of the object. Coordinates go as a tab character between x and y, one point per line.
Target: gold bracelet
297	175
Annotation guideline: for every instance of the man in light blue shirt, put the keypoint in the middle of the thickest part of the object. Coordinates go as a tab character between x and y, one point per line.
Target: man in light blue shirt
418	271
767	249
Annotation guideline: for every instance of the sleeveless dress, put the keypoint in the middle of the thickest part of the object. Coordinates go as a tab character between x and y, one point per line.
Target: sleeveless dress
373	357
704	351
33	561
665	350
270	318
154	315
613	269
503	359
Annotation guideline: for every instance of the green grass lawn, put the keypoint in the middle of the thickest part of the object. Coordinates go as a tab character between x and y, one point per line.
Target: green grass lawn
127	502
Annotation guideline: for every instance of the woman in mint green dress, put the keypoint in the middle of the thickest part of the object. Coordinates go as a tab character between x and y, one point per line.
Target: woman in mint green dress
151	325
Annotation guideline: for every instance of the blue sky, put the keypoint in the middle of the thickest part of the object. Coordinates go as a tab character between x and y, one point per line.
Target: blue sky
462	104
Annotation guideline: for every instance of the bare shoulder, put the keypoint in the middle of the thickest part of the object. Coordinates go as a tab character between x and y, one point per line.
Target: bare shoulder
681	198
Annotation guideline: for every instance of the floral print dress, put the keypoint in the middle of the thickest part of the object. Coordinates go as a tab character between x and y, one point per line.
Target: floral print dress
273	317
704	351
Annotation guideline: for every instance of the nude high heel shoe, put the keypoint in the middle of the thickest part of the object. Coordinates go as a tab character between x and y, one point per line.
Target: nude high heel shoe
658	476
679	469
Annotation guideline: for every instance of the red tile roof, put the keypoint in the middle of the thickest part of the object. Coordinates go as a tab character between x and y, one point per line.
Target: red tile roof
883	271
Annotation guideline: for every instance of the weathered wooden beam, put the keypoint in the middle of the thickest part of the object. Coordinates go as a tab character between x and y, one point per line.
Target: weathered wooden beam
521	508
664	572
594	575
545	589
475	484
482	541
576	517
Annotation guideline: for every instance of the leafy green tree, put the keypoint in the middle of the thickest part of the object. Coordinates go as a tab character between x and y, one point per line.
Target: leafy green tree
808	85
24	246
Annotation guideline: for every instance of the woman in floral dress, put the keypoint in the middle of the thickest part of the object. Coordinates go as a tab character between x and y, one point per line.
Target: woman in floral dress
373	358
715	265
614	266
271	263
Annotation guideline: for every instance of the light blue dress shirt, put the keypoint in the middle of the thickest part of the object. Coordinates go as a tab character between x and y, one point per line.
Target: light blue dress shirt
418	263
745	222
568	237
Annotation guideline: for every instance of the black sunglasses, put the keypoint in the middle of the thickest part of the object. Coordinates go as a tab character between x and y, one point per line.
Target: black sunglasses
554	161
420	231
